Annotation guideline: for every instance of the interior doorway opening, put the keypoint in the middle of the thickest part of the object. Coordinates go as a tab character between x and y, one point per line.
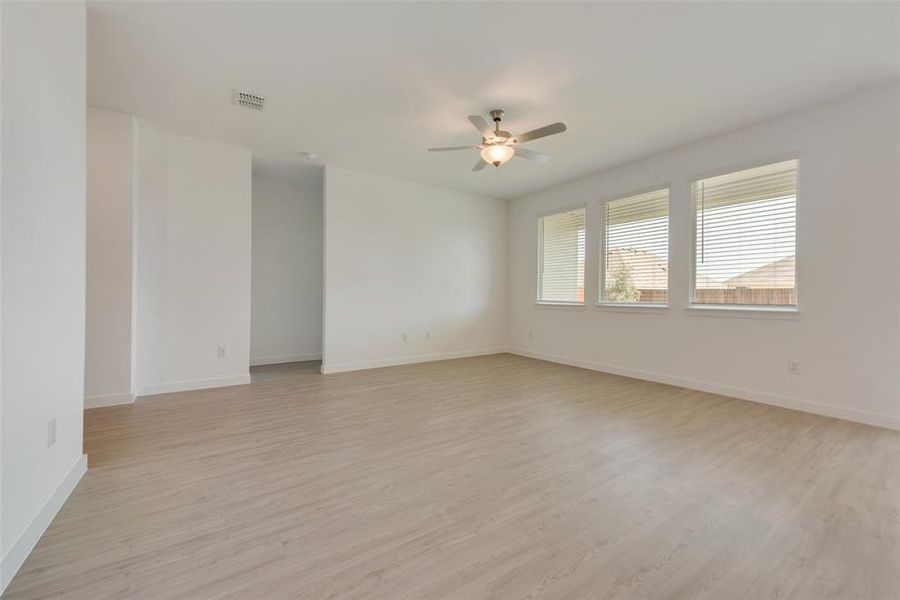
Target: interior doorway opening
286	264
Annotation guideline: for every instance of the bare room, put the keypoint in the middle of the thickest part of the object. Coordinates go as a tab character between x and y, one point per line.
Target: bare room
450	300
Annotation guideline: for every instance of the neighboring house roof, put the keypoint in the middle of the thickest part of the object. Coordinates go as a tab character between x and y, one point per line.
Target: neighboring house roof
777	274
649	271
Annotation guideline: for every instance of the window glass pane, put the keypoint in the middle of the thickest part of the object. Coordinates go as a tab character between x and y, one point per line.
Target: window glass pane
635	251
745	237
561	257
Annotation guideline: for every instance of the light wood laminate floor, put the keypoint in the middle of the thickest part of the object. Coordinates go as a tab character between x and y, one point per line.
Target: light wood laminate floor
491	477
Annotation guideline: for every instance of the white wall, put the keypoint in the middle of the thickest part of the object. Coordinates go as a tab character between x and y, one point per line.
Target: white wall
192	263
286	322
43	267
846	336
107	368
402	257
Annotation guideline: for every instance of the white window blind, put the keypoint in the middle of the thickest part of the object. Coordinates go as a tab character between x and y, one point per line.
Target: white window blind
745	237
560	273
635	251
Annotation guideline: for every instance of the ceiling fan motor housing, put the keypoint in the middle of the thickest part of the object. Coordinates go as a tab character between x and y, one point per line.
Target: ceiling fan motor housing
499	136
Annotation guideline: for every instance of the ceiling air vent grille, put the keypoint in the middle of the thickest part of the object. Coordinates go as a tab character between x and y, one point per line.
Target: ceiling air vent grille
248	100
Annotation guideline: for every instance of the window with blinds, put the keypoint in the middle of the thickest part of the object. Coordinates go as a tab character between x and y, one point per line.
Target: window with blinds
745	237
560	273
635	249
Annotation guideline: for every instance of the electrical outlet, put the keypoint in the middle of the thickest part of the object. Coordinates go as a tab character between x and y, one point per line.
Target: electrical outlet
222	351
51	432
405	337
793	367
427	334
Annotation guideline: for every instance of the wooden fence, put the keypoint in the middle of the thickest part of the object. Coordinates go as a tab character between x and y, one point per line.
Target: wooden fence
763	296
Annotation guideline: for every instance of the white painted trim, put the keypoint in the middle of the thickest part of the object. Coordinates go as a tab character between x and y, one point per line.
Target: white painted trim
107	400
407	360
22	547
818	408
742	311
626	307
197	384
279	360
541	304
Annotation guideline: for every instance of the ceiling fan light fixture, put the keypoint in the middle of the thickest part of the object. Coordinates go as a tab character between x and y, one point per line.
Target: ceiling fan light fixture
497	154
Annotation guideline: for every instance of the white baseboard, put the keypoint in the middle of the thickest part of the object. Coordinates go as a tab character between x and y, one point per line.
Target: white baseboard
196	384
819	408
406	360
20	550
107	400
280	360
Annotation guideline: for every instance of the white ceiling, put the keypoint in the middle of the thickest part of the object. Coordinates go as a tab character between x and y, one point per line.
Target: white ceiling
369	86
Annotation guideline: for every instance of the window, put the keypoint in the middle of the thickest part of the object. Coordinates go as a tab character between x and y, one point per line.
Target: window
745	226
560	274
635	249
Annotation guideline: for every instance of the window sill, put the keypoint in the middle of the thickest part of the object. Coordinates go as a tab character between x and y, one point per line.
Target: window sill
760	312
577	305
632	307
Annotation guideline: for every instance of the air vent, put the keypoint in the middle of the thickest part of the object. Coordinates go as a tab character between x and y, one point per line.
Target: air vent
248	100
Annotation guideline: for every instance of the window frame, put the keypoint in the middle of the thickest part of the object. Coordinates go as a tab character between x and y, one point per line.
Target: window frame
601	302
767	310
539	259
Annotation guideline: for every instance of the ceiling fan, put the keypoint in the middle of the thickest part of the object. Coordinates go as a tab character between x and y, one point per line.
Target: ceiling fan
498	146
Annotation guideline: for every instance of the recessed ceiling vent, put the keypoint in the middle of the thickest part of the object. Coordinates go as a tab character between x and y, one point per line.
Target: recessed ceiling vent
248	100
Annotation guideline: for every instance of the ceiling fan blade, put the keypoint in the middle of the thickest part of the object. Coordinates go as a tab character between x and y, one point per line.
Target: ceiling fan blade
541	132
450	148
538	157
481	125
479	165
